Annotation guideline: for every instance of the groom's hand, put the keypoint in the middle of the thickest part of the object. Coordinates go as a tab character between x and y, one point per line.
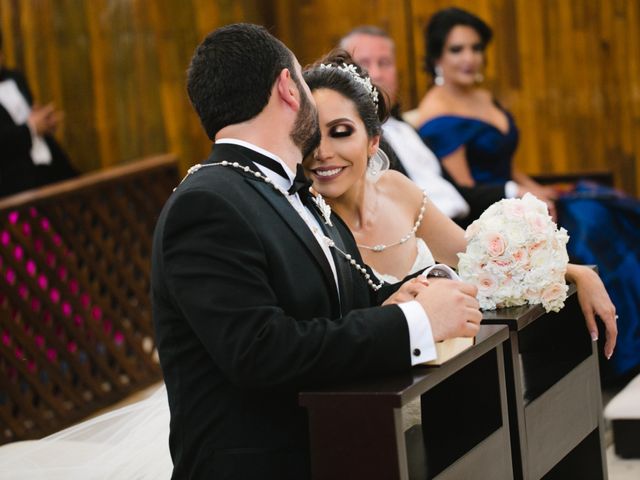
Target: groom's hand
408	291
452	308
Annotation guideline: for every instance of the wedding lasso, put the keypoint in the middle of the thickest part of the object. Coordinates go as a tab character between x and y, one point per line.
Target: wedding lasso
323	208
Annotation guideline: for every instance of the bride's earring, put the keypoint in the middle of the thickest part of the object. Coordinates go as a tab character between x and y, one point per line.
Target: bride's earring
378	163
439	78
479	77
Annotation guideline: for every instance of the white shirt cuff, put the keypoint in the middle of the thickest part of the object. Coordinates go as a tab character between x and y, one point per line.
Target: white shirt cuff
421	343
40	153
511	189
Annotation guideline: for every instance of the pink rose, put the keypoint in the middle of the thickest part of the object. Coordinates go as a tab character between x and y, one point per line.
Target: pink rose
521	257
553	292
502	262
486	283
535	246
496	244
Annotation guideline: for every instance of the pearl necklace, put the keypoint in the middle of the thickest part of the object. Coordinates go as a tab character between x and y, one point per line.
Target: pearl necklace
381	247
319	201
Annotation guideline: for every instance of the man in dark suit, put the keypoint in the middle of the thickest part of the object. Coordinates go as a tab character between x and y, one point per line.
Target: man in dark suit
30	155
256	293
372	48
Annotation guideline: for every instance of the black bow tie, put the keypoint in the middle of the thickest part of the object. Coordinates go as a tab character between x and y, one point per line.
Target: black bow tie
301	183
270	164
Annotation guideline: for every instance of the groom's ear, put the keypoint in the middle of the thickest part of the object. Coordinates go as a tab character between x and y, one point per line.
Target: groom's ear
287	89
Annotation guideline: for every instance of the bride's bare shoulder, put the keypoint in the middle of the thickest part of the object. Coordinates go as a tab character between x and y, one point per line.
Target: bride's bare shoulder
399	188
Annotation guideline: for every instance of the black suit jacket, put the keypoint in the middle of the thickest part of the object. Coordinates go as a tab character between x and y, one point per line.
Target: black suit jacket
17	170
246	314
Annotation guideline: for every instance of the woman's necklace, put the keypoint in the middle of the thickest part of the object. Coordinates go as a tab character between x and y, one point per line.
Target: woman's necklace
381	247
325	210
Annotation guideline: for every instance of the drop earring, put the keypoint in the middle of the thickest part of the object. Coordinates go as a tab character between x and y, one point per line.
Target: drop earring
378	163
439	78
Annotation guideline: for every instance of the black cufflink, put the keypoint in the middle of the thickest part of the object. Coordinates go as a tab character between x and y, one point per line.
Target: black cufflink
416	352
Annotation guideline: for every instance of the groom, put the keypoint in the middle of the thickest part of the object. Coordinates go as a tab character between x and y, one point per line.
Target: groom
253	295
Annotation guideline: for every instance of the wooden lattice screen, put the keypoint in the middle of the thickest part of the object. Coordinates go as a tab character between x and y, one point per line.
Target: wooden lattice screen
75	320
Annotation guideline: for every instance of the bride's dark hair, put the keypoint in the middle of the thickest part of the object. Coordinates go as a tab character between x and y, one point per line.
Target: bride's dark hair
372	112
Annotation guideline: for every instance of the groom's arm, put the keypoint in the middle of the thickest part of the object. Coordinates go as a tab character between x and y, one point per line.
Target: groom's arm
217	271
430	315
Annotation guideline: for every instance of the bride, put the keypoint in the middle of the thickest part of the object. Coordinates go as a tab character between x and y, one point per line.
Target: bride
399	231
397	228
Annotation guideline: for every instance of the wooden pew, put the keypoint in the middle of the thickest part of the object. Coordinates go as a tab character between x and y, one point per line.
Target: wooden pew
356	429
553	386
545	374
605	178
75	317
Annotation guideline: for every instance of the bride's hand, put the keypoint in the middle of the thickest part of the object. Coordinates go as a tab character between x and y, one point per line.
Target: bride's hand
594	300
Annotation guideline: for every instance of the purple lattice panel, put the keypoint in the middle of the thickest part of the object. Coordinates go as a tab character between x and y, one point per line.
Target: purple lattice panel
75	319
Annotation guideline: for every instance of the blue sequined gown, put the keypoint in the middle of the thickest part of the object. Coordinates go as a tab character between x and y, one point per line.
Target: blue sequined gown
603	224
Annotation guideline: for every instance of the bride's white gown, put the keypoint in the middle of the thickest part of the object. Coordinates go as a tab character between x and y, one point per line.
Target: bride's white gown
424	259
129	443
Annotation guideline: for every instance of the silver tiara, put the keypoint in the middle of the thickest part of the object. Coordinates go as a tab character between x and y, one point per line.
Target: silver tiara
364	81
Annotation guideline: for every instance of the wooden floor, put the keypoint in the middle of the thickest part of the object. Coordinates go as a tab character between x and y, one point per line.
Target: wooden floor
620	469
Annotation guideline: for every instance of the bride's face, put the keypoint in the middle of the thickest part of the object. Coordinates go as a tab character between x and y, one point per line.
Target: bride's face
341	160
462	56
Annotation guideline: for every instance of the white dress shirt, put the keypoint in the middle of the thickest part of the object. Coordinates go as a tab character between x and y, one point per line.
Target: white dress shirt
423	168
16	105
421	343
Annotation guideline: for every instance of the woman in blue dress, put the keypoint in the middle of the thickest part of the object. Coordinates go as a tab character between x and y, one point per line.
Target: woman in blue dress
475	139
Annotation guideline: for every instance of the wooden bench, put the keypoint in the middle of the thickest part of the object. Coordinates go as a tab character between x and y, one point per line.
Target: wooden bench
539	384
75	318
356	429
553	388
605	178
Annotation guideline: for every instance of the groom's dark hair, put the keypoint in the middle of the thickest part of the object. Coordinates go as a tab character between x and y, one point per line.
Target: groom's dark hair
232	73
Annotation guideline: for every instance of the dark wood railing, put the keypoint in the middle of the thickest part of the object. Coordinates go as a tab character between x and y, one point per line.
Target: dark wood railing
75	319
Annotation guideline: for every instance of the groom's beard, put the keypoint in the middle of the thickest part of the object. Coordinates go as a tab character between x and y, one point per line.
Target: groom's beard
306	129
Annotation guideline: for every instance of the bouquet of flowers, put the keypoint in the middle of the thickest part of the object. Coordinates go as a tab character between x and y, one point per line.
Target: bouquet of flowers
516	255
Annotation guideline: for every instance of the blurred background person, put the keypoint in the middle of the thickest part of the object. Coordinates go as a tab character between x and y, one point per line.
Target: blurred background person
475	138
30	156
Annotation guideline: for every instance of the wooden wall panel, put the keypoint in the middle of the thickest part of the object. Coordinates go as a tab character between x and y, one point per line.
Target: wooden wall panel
569	70
313	28
117	69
